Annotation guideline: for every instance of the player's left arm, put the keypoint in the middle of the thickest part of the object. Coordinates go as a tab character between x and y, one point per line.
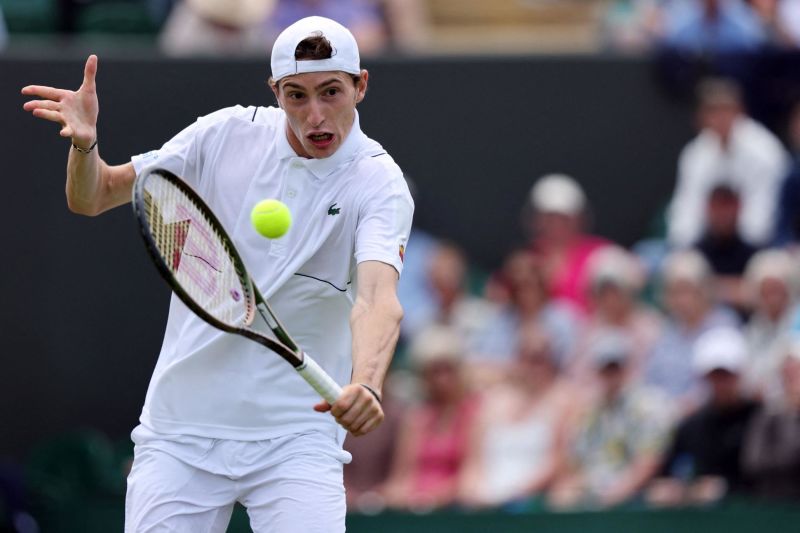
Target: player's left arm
375	325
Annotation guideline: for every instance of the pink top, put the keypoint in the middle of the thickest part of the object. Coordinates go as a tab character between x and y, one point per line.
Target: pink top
570	282
441	449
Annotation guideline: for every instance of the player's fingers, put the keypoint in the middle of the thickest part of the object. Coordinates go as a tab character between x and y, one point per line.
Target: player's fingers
46	114
51	93
89	74
322	407
365	406
365	424
343	404
66	131
41	104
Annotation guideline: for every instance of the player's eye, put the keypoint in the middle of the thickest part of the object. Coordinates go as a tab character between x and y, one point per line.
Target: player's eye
332	91
295	95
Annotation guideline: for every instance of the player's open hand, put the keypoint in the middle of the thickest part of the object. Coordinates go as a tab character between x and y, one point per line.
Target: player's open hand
357	410
76	111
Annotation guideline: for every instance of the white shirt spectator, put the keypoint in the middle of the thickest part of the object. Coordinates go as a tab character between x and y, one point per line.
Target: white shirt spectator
754	163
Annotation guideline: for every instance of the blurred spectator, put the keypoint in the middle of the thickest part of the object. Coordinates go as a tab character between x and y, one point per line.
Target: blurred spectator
216	28
772	444
529	303
616	278
788	226
413	288
724	248
703	464
433	436
560	242
515	448
709	26
688	296
407	23
734	150
447	301
372	455
619	442
630	25
772	282
780	20
363	18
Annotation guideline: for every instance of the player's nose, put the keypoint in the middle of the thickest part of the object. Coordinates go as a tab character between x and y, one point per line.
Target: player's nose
315	114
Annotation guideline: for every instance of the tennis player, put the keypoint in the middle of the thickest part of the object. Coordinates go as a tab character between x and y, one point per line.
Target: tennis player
223	421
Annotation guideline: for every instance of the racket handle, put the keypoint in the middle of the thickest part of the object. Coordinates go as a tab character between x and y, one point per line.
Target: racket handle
319	379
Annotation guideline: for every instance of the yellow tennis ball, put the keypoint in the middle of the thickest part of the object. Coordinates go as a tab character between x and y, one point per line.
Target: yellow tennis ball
271	218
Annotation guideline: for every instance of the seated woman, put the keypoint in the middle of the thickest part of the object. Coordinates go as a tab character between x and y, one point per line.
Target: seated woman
432	441
515	448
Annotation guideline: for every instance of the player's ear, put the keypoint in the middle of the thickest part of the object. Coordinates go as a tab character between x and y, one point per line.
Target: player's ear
361	86
275	90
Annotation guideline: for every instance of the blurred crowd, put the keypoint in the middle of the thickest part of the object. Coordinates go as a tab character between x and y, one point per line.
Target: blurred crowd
231	27
584	375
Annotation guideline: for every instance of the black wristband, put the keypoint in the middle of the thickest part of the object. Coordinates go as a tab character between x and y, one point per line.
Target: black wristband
85	150
372	391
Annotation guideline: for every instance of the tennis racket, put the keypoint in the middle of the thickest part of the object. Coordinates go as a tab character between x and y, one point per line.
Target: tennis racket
198	259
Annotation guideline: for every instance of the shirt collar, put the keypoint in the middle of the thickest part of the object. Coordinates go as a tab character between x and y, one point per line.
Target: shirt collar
324	167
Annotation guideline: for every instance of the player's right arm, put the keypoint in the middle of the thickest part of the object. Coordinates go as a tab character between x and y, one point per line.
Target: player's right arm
93	186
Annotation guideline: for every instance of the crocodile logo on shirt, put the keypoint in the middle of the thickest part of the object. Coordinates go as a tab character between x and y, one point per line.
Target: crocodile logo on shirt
333	210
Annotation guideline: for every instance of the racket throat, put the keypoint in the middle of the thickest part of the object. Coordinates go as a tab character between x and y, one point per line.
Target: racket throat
277	328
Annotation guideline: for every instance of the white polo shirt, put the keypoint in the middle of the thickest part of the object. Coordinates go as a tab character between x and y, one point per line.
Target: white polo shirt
351	207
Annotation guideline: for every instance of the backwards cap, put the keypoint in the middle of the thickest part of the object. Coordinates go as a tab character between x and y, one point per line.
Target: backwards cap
344	56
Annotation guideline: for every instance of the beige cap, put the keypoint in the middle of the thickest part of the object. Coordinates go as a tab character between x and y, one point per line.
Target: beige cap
617	266
234	13
772	264
434	344
686	265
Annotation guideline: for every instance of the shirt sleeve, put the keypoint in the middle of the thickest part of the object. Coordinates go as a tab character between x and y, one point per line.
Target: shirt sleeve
384	225
182	155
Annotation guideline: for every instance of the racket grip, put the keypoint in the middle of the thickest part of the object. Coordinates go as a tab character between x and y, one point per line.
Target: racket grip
319	379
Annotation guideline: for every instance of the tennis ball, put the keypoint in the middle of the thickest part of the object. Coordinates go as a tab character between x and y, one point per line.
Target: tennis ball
271	218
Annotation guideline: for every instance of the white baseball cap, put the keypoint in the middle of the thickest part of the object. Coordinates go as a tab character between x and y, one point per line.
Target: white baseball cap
344	56
558	193
720	349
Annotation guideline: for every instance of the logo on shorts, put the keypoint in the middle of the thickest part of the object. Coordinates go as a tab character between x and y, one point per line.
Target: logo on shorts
402	253
333	210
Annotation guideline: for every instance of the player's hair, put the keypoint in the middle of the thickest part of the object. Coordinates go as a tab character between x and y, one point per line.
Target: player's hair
316	47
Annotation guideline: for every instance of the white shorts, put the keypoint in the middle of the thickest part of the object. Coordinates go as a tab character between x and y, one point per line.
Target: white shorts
190	484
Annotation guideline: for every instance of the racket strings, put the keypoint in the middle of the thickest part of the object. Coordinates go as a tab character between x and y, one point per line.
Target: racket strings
195	252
